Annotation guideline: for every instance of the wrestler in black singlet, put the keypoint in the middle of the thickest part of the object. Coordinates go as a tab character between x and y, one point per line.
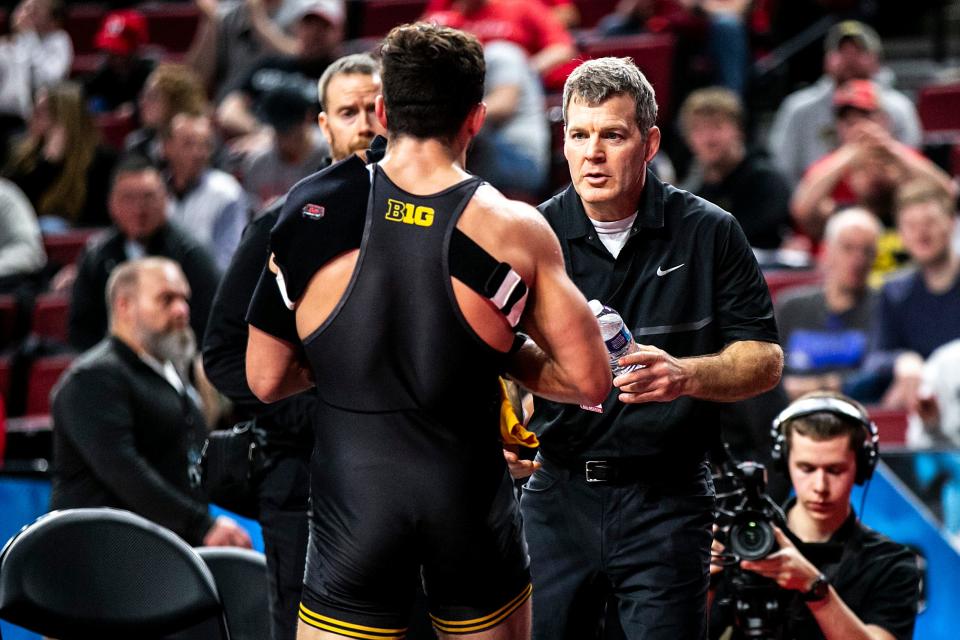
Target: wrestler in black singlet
408	470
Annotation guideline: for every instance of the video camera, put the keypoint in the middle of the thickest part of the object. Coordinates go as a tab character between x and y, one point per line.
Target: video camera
746	515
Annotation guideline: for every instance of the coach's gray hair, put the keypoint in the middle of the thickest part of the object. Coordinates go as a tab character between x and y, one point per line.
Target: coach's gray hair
359	63
595	81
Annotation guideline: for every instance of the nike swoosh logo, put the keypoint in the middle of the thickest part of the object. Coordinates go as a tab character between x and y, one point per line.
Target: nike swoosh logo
661	272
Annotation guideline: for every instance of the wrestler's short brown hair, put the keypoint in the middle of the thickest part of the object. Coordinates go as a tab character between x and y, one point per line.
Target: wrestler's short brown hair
432	77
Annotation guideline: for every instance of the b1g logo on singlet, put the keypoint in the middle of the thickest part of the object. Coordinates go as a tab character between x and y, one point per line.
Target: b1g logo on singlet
408	213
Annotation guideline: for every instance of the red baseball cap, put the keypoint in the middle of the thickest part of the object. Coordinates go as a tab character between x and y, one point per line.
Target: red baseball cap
859	94
122	32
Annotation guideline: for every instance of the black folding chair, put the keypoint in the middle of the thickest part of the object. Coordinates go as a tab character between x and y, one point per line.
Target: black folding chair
105	573
241	577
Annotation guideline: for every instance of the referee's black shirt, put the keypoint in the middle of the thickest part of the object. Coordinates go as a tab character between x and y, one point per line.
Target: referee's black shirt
687	282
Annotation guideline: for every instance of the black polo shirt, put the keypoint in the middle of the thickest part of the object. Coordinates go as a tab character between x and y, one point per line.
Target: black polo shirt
687	282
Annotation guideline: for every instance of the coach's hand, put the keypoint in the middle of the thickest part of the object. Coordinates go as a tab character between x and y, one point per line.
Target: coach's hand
663	378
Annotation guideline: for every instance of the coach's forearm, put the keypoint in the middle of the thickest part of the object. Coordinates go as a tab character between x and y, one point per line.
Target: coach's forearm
742	370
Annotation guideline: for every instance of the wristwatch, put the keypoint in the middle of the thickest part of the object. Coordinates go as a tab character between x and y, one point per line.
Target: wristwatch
818	590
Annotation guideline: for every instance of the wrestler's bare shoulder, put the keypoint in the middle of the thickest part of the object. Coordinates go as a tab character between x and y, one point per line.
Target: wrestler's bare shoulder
489	207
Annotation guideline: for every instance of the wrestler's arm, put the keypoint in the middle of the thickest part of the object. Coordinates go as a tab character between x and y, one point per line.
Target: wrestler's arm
564	359
274	368
275	364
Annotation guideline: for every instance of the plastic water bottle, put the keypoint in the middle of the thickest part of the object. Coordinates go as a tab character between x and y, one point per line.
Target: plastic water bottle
616	336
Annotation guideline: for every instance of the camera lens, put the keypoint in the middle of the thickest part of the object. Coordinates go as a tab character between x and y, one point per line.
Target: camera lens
752	539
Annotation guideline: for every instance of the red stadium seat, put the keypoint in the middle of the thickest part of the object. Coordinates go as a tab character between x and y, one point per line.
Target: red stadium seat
5	371
8	319
171	25
784	279
43	376
892	425
591	11
82	23
64	248
939	109
379	16
50	316
653	53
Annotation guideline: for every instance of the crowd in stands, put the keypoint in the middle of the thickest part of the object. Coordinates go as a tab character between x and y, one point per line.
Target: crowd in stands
152	143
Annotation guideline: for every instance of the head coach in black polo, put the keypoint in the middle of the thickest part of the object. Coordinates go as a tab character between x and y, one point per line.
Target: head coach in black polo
622	502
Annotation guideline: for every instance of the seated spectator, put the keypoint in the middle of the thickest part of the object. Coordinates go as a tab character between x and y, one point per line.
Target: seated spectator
40	41
934	423
138	205
318	31
21	247
744	183
207	203
527	23
717	27
935	411
127	424
824	329
233	36
918	310
38	53
512	150
170	89
298	147
117	82
867	167
805	129
60	163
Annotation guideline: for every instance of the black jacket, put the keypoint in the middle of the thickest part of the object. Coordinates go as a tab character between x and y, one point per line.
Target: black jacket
124	437
286	424
88	309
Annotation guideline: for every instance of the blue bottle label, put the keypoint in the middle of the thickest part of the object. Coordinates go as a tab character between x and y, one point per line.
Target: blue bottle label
619	341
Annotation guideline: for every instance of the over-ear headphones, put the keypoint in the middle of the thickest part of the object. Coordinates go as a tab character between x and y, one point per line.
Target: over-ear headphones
867	454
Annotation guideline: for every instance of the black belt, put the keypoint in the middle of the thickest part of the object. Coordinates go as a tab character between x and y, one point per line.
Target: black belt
621	471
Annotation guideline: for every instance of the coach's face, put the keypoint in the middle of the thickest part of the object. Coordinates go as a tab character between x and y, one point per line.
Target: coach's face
608	154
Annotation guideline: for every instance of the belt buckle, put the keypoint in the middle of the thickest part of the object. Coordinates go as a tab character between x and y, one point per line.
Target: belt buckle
598	471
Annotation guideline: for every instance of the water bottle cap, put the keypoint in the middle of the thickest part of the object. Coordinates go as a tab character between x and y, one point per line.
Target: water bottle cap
596	307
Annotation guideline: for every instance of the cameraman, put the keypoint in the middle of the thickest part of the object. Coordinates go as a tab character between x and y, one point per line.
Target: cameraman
839	579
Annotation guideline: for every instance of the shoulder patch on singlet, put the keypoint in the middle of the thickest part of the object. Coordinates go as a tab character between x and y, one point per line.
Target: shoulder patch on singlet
322	217
497	281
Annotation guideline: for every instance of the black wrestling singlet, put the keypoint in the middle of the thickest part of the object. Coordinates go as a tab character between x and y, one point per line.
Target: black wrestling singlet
408	471
398	342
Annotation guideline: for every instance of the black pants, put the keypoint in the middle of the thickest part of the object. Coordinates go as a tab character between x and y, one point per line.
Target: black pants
284	506
647	544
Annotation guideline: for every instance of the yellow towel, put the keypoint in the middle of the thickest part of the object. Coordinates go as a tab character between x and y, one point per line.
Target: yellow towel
511	429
